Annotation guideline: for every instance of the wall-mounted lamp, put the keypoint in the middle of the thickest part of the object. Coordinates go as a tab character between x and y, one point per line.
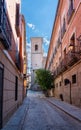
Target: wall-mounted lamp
71	47
74	49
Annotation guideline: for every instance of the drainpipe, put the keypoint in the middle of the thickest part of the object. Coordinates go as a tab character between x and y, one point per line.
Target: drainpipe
70	93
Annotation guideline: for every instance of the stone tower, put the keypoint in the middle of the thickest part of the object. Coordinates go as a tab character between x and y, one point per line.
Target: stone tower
36	58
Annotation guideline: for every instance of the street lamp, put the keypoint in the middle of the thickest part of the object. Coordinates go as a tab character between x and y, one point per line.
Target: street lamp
67	81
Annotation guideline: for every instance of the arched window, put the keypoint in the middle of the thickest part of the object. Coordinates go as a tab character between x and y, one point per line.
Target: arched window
36	47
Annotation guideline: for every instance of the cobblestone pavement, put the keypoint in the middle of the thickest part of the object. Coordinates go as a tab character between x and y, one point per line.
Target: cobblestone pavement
38	114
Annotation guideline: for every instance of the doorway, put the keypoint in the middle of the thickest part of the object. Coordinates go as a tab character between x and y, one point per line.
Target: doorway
1	94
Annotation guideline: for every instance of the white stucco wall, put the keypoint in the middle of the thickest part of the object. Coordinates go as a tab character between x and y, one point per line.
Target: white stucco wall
36	56
36	61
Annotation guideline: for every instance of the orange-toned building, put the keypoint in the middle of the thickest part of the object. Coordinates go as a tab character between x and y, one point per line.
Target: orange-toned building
24	53
64	54
12	58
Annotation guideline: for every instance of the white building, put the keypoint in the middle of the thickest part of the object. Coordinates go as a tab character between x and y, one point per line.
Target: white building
36	56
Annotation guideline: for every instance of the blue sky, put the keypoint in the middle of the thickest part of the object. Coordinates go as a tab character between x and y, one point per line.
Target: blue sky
39	16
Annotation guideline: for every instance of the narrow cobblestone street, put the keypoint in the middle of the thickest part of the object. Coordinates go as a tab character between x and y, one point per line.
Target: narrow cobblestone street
38	114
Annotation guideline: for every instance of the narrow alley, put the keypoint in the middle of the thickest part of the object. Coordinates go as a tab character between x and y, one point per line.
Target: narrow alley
37	113
40	65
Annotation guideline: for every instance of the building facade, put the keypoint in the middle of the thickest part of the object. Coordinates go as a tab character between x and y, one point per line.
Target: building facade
12	54
24	53
64	55
36	57
44	61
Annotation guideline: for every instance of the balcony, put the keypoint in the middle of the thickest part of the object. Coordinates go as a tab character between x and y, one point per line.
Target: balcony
5	27
55	73
58	42
64	64
70	12
63	29
72	58
60	68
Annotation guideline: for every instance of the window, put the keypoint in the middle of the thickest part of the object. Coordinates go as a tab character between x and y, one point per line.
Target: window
64	25
57	85
63	29
60	59
71	4
0	12
16	88
36	47
74	78
66	81
55	50
72	42
70	10
64	53
1	92
60	83
17	14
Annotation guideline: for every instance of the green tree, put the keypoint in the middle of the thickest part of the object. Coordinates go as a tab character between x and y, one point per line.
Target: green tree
44	79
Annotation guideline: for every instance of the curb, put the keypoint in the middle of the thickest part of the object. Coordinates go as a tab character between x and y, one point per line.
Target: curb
64	111
20	127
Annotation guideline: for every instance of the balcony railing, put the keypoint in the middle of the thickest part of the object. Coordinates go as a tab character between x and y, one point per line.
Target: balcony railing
64	64
5	27
58	42
73	57
63	30
55	73
70	12
59	68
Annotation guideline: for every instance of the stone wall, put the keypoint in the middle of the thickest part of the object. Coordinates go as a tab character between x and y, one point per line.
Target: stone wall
10	71
65	89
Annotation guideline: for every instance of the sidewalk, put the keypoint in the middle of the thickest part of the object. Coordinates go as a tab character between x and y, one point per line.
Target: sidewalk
71	110
17	120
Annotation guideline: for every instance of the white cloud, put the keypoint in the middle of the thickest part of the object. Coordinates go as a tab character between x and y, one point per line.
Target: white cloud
30	25
36	30
28	46
46	41
45	54
29	58
29	52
